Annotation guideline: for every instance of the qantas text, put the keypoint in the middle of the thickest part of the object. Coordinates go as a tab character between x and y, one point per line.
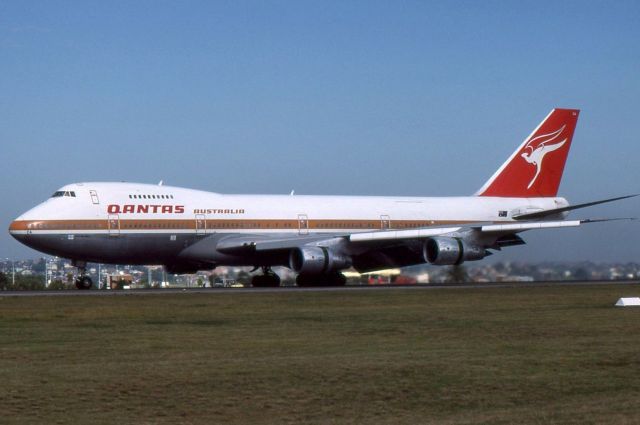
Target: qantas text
145	209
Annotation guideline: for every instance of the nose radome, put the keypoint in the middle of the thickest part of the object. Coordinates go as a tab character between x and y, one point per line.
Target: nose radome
19	223
17	228
14	226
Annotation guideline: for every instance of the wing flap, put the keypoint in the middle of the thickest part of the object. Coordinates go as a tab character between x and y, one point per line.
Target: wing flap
238	245
383	235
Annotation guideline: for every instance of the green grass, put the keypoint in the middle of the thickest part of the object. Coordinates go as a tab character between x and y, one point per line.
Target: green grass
495	356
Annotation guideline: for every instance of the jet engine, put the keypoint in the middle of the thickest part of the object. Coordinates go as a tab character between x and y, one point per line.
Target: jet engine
444	251
317	260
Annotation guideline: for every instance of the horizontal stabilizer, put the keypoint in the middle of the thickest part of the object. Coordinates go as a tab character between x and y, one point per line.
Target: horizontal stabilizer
546	213
602	220
521	227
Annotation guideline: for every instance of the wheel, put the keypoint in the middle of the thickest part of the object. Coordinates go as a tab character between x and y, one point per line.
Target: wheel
338	280
308	280
84	282
333	279
274	280
257	281
269	280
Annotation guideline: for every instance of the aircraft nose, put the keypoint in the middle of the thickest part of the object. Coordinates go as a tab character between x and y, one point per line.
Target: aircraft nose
18	228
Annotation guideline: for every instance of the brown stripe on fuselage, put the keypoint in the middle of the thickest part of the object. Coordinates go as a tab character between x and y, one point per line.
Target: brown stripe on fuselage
225	224
58	224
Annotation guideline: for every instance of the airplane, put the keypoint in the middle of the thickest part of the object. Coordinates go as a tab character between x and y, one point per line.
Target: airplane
318	237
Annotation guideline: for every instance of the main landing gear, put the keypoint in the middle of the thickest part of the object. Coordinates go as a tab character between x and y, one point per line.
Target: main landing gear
332	279
83	281
268	279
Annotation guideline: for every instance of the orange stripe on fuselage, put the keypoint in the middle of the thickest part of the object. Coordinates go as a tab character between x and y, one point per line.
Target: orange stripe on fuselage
222	224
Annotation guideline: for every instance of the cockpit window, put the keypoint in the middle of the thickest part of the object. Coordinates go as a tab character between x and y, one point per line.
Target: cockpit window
63	193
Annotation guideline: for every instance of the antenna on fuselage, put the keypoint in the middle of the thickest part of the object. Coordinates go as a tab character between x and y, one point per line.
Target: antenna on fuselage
160	183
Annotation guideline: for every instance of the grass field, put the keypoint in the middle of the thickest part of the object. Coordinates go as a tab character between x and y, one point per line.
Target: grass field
495	356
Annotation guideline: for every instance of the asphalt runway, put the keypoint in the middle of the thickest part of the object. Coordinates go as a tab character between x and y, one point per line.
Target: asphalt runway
212	291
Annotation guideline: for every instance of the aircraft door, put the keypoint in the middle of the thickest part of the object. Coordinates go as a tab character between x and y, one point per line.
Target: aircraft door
303	224
94	197
385	222
113	223
201	224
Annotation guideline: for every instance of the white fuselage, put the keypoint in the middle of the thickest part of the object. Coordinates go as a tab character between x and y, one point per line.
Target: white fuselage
141	223
148	206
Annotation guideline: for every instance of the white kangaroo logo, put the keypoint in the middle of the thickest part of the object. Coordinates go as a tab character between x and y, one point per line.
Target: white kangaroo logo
536	149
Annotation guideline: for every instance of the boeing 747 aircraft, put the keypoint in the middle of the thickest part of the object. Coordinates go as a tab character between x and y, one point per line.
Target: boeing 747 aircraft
316	236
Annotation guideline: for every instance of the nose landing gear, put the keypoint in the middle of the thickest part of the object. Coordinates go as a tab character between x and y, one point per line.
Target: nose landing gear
83	281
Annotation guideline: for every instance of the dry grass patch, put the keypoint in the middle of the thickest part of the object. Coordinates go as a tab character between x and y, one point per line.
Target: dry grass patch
525	355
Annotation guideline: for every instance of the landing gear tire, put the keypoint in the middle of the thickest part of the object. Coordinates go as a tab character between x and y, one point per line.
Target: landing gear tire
84	282
267	280
333	279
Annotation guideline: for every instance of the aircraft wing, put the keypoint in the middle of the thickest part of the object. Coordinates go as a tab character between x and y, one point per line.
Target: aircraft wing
244	243
377	249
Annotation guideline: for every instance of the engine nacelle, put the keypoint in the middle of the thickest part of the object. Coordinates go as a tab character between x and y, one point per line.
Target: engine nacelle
444	251
316	260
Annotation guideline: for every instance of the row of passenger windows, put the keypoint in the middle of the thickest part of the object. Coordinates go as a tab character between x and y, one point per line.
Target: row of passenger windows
150	196
180	225
236	225
64	226
210	225
343	225
63	193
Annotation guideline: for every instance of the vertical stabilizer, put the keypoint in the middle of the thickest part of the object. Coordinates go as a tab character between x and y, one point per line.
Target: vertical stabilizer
535	168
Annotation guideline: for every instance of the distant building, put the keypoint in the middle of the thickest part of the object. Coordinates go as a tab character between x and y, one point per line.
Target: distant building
119	281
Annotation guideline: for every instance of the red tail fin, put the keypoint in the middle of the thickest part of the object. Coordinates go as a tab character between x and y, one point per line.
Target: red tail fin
535	168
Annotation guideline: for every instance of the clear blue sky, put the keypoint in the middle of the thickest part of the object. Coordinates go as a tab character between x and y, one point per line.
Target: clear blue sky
345	97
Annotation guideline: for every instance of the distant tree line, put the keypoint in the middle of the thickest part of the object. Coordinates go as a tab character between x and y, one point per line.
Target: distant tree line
31	283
